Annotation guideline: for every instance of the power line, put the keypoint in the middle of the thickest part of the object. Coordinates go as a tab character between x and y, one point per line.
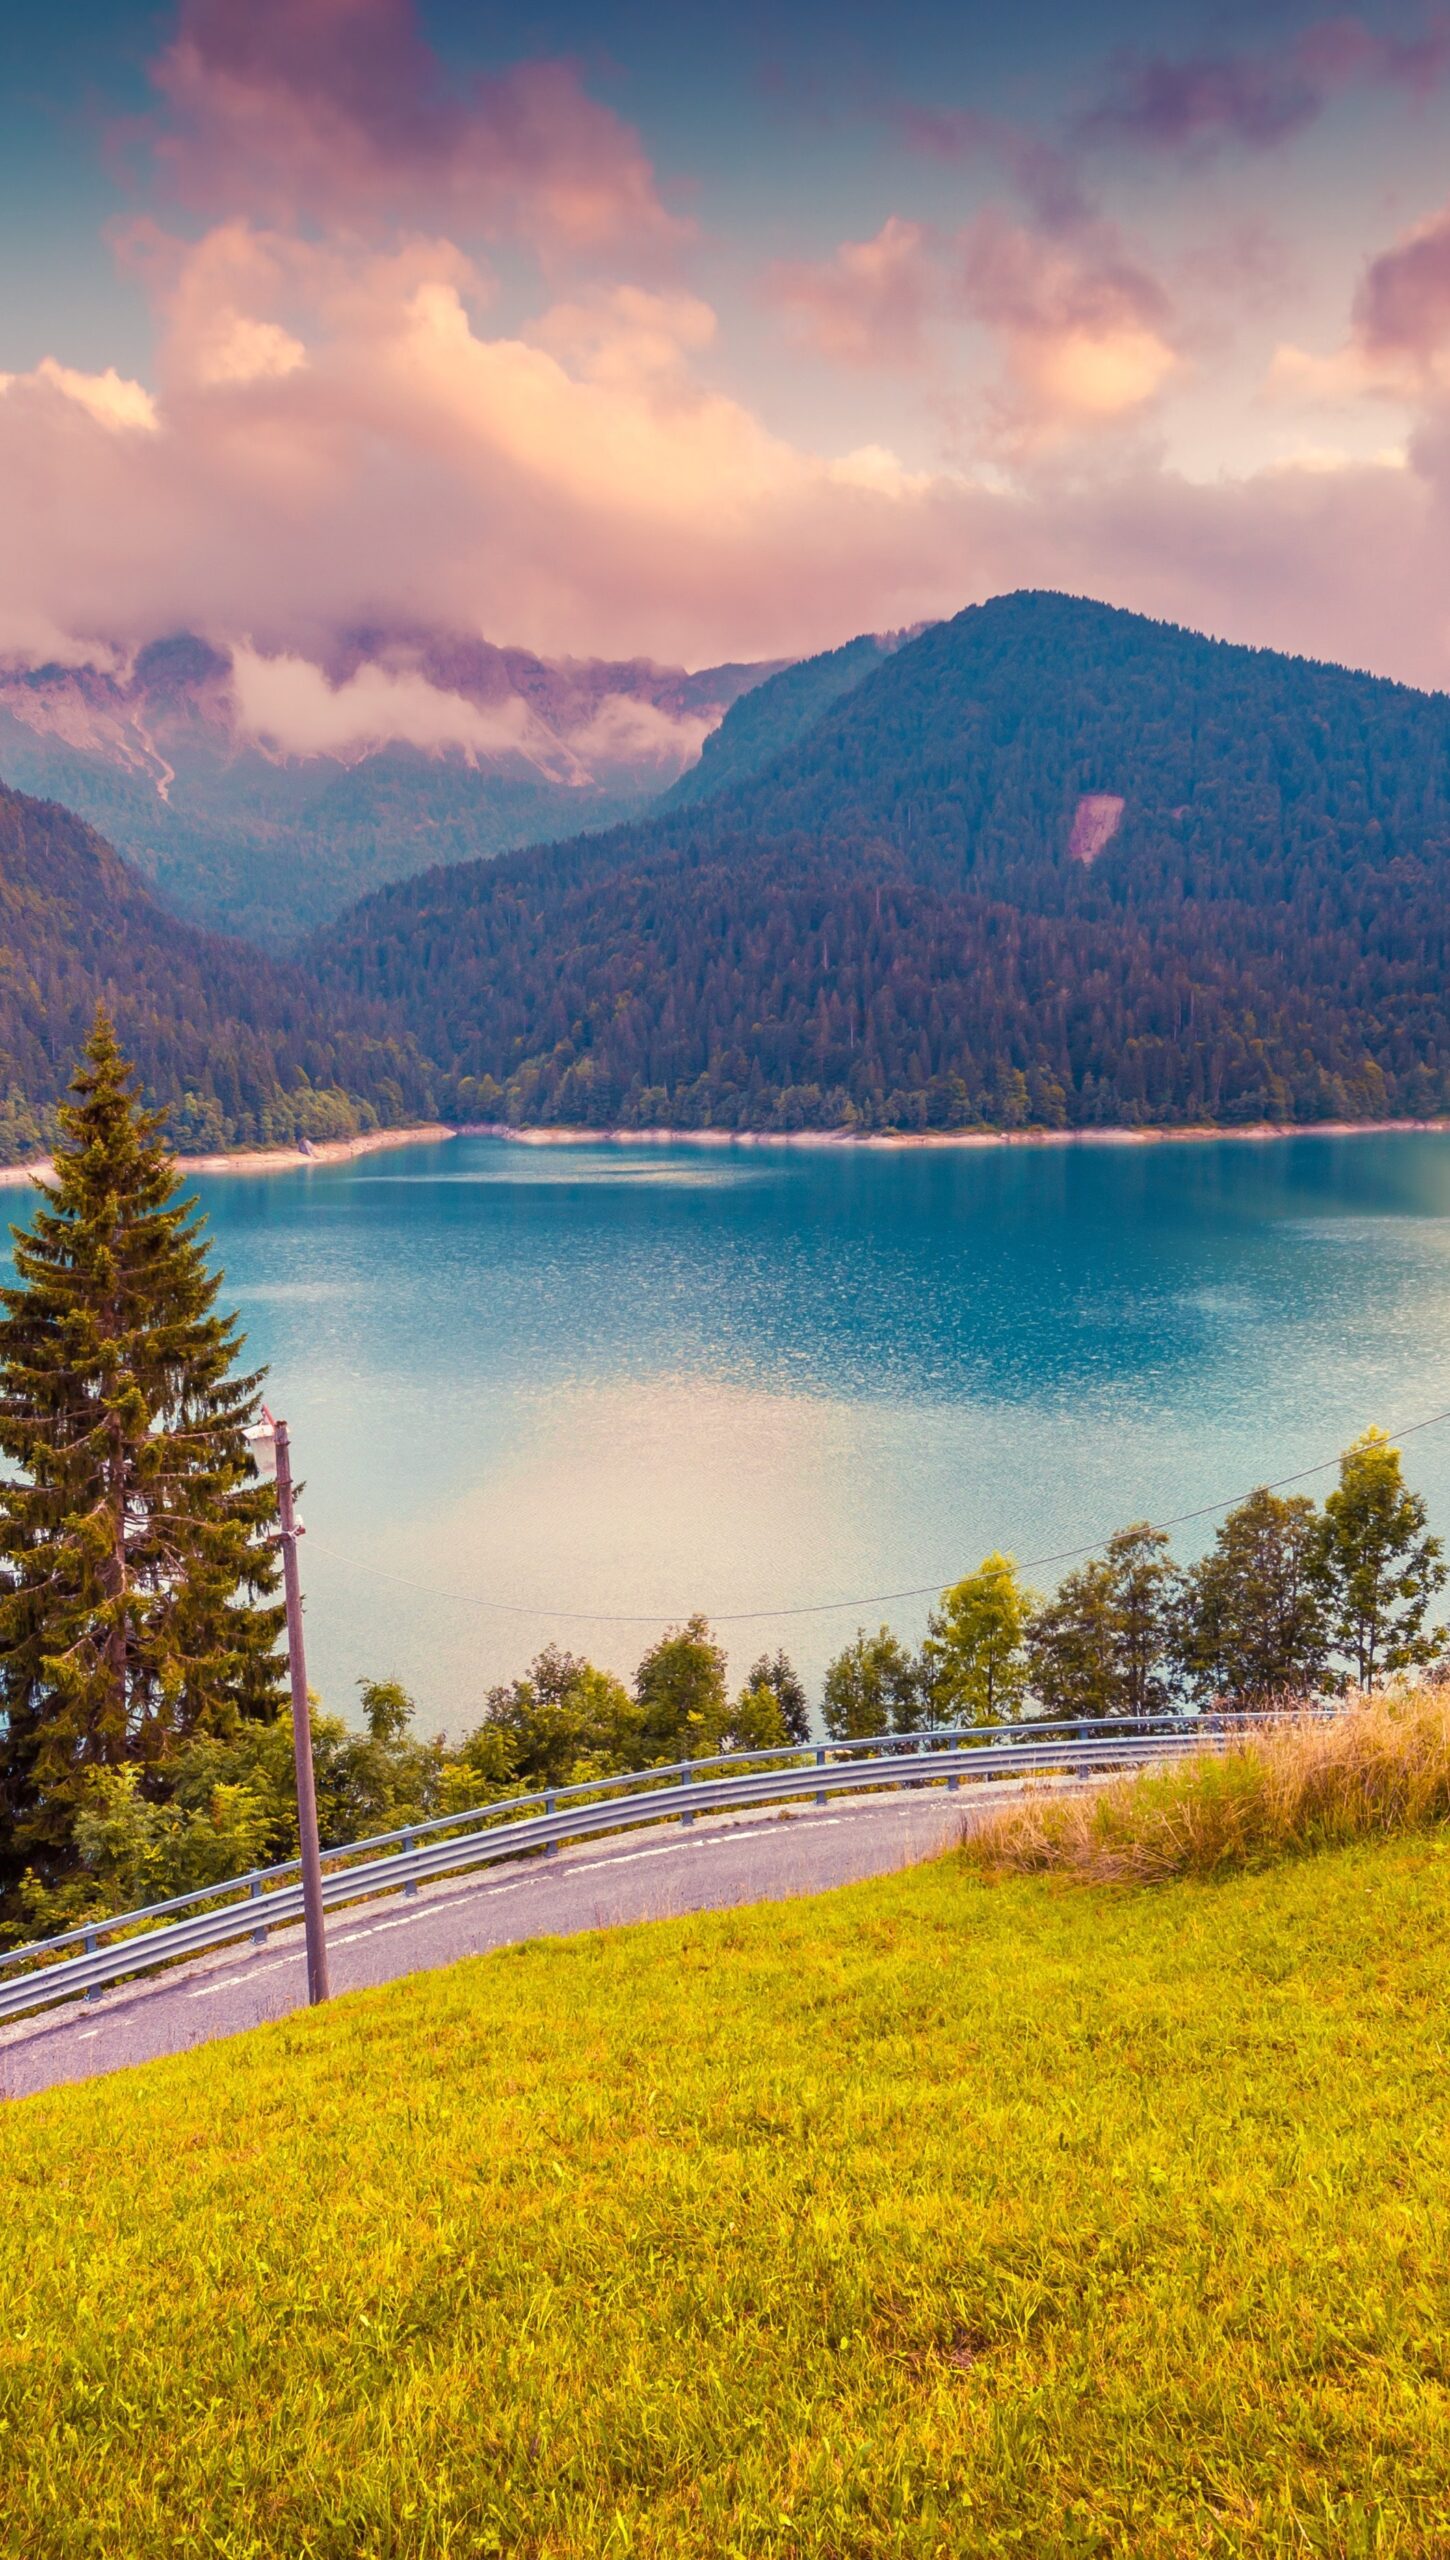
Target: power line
824	1608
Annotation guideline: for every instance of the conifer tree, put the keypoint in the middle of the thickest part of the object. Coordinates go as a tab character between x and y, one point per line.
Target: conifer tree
778	1674
873	1686
135	1563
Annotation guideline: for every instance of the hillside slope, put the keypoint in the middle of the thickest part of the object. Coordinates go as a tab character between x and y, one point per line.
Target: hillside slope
768	720
927	2218
1049	861
243	1048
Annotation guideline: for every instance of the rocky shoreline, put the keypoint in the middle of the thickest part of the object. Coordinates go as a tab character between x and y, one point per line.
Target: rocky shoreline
340	1150
1195	1135
271	1159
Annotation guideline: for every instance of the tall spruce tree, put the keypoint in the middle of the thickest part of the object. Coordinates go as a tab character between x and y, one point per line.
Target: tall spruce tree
135	1563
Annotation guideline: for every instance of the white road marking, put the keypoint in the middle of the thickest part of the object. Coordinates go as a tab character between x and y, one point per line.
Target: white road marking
458	1905
430	1911
236	1981
593	1865
727	1839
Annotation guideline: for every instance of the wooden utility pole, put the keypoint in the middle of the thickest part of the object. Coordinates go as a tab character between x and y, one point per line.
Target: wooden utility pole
317	1986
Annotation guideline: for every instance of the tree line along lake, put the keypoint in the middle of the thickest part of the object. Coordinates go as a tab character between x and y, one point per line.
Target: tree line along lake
573	1393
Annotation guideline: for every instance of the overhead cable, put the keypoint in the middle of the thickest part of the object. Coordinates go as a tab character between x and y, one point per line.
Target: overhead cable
822	1608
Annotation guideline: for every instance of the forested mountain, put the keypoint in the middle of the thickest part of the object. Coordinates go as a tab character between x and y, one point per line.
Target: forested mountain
244	1049
1047	861
261	796
768	719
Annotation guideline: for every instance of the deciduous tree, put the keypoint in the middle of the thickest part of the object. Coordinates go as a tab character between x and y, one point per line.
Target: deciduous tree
1379	1566
1253	1625
679	1690
974	1660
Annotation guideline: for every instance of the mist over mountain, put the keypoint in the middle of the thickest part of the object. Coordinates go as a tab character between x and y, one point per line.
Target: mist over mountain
1048	861
264	793
243	1049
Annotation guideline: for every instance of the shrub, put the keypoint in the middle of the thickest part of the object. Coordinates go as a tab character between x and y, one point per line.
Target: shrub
1381	1765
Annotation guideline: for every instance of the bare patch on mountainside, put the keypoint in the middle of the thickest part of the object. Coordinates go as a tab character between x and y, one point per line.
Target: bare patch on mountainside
1096	821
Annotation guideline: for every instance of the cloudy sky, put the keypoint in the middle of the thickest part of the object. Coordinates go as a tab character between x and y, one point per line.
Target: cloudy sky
706	334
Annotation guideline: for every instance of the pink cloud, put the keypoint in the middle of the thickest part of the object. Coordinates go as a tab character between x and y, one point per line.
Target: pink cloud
1086	332
1402	308
867	305
1398	347
337	111
384	461
1199	103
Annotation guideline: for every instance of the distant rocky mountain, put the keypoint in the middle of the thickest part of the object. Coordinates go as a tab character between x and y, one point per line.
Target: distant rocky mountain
262	793
1047	862
242	1049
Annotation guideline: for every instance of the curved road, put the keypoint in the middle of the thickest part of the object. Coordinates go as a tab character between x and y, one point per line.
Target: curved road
648	1874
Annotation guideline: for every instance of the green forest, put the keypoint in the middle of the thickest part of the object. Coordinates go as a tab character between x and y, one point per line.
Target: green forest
240	1050
886	929
864	910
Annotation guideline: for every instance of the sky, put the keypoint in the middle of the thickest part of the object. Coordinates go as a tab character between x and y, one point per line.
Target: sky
706	334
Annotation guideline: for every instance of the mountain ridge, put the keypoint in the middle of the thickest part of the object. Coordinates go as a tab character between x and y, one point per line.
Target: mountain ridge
889	927
261	793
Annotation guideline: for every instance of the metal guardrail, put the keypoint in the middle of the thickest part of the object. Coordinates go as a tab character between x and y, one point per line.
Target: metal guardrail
134	1942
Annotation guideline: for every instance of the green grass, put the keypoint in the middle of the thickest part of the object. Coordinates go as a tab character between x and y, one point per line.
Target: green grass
933	2217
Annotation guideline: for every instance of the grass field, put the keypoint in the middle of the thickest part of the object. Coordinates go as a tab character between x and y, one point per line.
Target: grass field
934	2217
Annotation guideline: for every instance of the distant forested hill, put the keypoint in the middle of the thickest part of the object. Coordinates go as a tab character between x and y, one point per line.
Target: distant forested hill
244	1050
1045	862
764	723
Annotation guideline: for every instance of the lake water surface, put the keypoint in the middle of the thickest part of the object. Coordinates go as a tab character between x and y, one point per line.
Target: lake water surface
533	1390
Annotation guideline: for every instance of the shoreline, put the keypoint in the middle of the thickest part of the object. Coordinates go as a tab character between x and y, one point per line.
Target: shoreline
431	1132
1199	1133
268	1159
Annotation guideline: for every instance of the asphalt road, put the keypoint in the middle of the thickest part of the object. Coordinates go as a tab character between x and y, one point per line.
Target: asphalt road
639	1875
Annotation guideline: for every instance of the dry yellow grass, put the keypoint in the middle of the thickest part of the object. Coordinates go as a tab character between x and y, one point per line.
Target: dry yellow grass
1301	1783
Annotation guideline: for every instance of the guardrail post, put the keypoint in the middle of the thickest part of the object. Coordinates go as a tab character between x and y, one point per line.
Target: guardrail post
820	1764
93	1947
686	1817
254	1894
551	1849
953	1781
410	1883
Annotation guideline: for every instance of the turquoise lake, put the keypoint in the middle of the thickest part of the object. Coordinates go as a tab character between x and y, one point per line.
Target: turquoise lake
535	1389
